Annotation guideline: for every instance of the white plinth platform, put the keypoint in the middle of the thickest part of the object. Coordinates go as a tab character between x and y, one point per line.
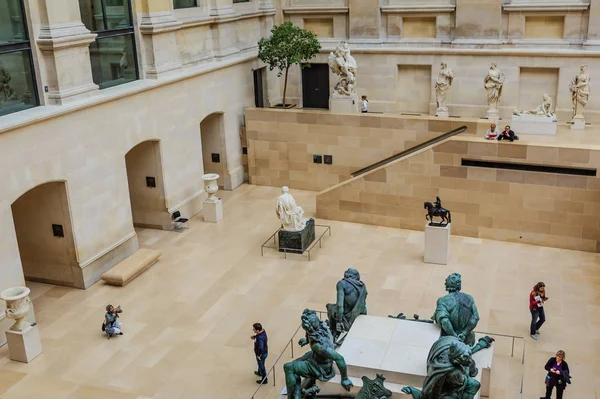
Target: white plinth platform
24	346
343	104
437	244
578	124
213	211
533	124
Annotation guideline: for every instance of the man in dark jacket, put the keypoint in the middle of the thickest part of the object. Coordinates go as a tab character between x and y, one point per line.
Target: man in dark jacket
261	351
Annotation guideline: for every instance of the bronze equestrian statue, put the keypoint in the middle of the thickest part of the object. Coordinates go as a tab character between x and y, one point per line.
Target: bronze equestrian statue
437	210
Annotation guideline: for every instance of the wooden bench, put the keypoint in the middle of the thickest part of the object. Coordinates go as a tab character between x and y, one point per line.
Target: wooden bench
131	267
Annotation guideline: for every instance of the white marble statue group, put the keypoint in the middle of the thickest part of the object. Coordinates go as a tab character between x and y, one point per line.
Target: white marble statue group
290	215
493	84
344	65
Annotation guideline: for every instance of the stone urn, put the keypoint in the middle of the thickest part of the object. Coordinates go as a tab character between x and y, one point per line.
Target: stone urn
211	186
17	306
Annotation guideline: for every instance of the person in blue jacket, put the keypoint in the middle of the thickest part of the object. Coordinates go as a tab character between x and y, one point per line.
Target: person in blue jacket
261	351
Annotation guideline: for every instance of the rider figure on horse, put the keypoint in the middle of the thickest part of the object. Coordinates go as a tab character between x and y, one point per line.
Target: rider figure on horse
438	203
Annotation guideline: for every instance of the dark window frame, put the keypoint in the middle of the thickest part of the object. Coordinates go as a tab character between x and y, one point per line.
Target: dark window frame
126	31
24	46
183	8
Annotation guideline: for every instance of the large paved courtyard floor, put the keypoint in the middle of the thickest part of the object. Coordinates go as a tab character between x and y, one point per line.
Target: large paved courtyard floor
187	320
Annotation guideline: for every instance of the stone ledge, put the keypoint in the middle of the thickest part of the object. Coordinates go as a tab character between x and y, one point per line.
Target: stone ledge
421	8
548	6
213	19
316	10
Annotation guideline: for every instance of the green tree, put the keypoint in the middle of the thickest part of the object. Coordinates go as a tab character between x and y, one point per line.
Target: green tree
287	45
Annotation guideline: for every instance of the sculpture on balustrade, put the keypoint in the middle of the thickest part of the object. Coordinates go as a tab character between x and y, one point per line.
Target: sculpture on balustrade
493	83
291	215
442	85
436	209
344	65
351	303
580	91
544	109
451	370
316	364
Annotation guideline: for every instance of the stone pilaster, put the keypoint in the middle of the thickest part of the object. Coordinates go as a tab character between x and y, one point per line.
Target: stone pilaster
221	7
160	51
478	20
593	36
364	19
64	43
266	5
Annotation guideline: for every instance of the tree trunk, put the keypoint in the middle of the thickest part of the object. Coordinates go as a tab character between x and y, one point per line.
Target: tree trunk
285	85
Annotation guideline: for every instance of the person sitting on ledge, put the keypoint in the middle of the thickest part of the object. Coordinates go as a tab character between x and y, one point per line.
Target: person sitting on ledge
507	134
492	133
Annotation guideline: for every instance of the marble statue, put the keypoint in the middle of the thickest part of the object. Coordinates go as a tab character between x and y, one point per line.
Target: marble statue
291	215
6	91
442	85
437	210
316	364
580	91
544	109
493	83
373	389
344	65
451	370
456	312
351	303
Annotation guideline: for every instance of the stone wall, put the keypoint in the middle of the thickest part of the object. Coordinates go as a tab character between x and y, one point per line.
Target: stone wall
282	143
547	209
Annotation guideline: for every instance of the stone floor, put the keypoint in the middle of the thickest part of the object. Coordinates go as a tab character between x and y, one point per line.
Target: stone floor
187	320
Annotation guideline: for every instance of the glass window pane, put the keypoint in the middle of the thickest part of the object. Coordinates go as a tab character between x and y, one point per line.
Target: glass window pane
12	22
117	14
113	61
17	91
184	3
91	14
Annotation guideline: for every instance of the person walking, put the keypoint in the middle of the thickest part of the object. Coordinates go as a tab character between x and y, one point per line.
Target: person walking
364	104
261	351
558	375
537	297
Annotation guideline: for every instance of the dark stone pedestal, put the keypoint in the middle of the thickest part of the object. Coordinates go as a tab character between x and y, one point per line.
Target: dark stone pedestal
296	242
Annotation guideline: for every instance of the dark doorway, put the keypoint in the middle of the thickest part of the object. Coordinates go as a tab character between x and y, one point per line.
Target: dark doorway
260	83
315	86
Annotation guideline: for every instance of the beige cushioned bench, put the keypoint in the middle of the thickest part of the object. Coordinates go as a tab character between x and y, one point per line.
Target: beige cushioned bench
131	267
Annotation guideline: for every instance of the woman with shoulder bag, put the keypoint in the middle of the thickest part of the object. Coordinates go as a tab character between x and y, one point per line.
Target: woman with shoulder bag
537	297
558	375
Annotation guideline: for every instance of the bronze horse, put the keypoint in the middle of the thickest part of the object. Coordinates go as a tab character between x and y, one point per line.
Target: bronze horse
432	211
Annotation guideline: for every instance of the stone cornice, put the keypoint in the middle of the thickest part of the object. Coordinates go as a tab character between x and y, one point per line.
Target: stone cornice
316	10
59	36
547	6
417	8
162	22
208	20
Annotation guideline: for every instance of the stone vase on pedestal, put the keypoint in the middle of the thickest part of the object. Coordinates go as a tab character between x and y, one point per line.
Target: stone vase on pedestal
213	207
17	306
211	186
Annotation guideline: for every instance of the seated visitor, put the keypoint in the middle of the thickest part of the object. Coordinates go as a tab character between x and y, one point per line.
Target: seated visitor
492	133
111	326
507	134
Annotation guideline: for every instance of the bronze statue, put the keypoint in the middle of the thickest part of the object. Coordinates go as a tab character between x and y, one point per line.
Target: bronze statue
373	389
437	210
456	312
351	303
316	364
450	370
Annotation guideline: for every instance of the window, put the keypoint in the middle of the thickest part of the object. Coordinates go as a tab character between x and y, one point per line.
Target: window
184	3
17	82
113	54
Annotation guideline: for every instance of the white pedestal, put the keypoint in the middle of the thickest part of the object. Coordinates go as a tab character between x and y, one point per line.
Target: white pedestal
533	124
437	244
578	124
213	211
442	114
24	346
343	104
493	115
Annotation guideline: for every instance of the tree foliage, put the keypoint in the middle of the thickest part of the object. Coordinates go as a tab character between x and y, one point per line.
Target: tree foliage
287	45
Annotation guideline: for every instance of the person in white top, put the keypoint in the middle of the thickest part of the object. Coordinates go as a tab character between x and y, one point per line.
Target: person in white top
364	104
492	133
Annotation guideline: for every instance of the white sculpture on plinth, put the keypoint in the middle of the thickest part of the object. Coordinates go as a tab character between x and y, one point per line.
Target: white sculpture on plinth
17	306
211	186
580	91
344	65
493	83
291	215
442	85
544	109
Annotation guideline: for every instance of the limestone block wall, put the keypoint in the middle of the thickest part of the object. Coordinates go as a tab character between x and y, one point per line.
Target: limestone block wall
282	143
85	146
547	209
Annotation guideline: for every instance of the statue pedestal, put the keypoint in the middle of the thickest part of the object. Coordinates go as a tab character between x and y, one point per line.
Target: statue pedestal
533	124
24	346
296	242
577	123
437	244
344	104
442	113
213	211
493	115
